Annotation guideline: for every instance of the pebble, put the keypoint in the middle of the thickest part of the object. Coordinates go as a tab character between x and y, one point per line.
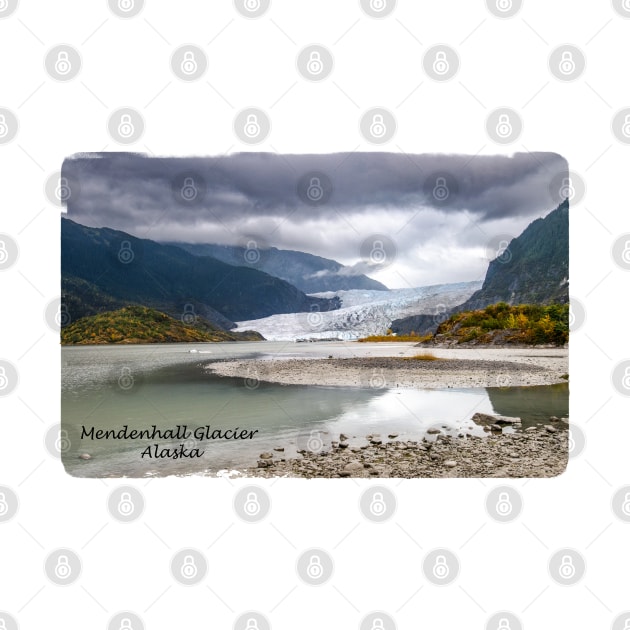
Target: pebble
449	463
433	431
85	456
550	429
266	455
392	436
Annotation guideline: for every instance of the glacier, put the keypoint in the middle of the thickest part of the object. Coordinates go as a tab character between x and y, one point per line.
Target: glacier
363	312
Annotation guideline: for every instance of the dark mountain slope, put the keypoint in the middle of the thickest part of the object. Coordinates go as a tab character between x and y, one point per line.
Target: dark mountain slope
104	269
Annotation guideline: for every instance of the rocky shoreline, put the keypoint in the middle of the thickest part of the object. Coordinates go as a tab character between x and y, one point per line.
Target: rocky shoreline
540	451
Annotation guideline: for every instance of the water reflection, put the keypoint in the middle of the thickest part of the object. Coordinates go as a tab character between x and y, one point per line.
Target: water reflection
172	388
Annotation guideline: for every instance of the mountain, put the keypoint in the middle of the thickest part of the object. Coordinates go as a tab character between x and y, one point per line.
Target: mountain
362	313
534	269
104	269
137	324
310	274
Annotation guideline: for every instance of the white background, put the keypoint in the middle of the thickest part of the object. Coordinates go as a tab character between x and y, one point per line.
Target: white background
252	63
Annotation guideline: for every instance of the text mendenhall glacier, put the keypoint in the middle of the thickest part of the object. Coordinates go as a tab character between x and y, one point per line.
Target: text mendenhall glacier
173	434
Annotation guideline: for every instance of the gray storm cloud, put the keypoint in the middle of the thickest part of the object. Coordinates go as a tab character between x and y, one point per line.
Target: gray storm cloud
266	196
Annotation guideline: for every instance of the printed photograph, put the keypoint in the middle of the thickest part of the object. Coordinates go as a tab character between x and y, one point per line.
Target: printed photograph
375	315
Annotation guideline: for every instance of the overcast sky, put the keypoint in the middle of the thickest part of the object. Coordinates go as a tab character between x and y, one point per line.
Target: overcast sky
437	216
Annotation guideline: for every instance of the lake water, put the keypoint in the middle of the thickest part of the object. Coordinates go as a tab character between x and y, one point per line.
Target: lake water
166	385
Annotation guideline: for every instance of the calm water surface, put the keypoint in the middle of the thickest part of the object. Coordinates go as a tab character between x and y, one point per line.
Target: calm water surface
167	385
